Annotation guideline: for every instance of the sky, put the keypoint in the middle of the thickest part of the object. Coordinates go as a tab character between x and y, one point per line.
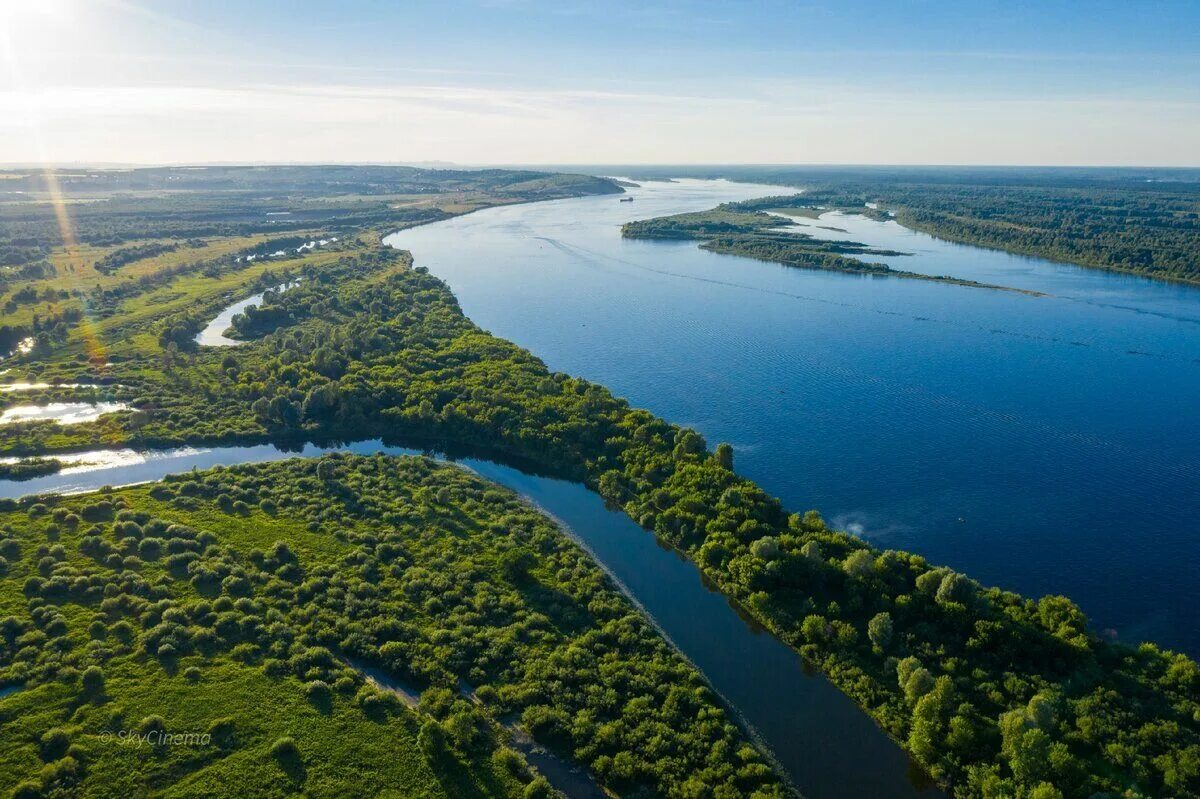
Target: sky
607	81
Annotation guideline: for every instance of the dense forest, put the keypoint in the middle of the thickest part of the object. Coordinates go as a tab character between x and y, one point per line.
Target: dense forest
179	609
746	229
995	694
1143	221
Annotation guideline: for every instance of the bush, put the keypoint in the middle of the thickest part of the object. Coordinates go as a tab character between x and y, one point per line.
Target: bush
432	740
222	732
152	724
150	548
54	743
28	790
318	691
508	761
192	674
539	789
285	749
516	563
93	680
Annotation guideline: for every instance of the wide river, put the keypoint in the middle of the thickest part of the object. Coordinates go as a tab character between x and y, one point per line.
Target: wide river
1042	444
1039	443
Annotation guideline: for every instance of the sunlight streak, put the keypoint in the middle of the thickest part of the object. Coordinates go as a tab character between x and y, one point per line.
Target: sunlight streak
11	16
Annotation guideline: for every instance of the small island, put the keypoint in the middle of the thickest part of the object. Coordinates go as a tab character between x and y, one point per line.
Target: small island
29	468
735	229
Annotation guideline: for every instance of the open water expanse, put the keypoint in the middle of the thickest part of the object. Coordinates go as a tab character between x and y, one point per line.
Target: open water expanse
1043	444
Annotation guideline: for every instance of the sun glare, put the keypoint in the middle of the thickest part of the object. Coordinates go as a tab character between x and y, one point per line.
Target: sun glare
23	18
26	24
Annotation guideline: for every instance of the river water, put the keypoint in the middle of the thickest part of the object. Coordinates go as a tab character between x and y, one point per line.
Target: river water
213	334
1043	444
1039	443
828	747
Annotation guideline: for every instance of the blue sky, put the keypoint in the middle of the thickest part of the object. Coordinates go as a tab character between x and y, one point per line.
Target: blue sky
509	81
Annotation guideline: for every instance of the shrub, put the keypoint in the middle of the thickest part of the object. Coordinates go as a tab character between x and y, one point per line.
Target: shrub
54	743
860	563
93	680
124	631
222	732
880	628
28	790
432	740
766	548
539	789
508	761
150	548
318	691
516	563
285	749
152	724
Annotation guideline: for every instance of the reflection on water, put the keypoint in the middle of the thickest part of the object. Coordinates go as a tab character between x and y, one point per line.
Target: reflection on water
23	386
61	412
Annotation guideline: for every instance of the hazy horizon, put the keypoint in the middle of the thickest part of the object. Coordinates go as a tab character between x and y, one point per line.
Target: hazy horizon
526	82
581	165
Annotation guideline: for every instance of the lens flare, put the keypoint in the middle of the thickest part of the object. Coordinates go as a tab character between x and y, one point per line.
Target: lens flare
13	16
93	346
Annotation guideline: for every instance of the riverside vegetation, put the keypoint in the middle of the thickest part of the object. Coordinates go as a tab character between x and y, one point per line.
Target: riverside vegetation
995	694
1140	221
744	229
191	606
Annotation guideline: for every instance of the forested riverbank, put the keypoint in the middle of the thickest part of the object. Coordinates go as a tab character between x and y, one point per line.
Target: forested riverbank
1139	221
990	691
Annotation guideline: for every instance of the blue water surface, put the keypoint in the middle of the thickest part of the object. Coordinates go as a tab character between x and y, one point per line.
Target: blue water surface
1046	444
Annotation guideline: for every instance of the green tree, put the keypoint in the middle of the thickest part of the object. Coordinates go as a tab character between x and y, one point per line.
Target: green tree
860	563
724	456
880	629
